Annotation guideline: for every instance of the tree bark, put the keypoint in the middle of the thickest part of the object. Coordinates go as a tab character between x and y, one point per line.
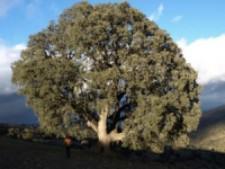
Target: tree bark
103	136
101	130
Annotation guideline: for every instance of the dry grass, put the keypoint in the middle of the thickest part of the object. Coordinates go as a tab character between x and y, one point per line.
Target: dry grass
211	139
211	132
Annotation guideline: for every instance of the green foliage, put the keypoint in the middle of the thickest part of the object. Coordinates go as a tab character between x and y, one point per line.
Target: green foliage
75	65
13	132
27	135
22	133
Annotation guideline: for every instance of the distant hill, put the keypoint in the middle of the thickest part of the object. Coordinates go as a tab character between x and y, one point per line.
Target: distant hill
213	117
211	132
212	95
13	110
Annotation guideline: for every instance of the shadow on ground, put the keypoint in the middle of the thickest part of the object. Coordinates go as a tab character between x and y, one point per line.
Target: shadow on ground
17	154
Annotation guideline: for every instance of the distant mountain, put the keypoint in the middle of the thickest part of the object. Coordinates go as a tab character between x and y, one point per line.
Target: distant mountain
211	132
213	117
13	110
213	95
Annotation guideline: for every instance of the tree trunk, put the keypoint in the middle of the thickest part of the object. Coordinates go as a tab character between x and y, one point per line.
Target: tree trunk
103	136
101	130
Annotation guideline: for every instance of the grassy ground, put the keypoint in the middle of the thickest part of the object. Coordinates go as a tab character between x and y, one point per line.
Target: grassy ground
211	139
16	154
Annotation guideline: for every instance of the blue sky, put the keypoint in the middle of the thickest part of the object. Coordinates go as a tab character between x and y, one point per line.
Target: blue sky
197	26
195	19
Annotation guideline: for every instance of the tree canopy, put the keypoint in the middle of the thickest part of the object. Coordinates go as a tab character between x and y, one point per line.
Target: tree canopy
109	68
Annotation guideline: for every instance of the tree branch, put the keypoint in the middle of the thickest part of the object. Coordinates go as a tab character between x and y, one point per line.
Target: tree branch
92	126
102	123
115	136
104	113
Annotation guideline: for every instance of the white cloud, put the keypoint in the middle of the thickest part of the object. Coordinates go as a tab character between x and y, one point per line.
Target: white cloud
6	5
157	14
177	19
207	56
7	56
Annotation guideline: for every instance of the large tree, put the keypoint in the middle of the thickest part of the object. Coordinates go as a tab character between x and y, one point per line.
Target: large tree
109	68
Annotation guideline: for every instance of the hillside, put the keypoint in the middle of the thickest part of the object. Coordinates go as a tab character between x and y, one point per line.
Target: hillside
13	110
17	154
212	95
13	107
211	132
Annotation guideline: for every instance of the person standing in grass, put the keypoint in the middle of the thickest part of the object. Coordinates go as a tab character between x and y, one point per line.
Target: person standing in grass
68	141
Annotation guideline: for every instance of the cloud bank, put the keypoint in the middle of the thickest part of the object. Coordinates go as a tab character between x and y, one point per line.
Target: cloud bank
8	55
207	56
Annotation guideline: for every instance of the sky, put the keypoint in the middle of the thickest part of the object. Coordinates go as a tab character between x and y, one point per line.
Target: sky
197	26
